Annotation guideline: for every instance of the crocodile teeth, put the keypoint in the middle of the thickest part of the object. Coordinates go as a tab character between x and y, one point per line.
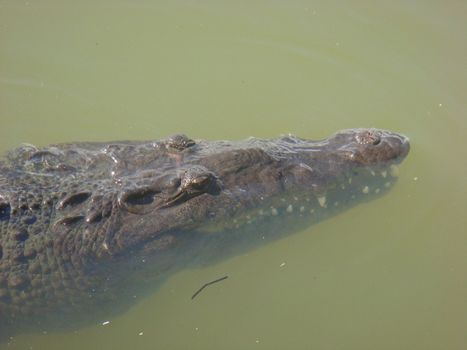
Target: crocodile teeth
322	201
365	190
394	170
384	173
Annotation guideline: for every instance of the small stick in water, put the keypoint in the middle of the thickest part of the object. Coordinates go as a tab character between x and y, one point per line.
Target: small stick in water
207	284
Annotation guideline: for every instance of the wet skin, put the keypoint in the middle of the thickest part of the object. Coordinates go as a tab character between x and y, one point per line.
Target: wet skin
84	225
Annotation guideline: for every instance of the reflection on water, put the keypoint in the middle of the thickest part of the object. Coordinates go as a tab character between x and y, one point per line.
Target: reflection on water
35	84
386	274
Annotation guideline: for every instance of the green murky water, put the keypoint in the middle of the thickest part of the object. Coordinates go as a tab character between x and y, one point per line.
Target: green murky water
390	274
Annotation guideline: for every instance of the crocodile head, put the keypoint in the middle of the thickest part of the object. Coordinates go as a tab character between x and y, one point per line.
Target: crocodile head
222	186
81	222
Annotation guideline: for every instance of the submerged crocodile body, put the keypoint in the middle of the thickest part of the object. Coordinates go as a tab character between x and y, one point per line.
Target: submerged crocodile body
82	224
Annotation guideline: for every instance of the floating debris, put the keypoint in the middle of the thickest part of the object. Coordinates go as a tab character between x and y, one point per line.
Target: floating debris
207	284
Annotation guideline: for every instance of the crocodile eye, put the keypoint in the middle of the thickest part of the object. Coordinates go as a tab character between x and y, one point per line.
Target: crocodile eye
194	182
201	182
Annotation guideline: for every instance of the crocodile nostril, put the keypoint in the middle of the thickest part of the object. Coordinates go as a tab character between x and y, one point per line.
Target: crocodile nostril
368	137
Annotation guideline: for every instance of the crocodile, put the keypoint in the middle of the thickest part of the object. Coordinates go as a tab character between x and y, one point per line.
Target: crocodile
84	226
